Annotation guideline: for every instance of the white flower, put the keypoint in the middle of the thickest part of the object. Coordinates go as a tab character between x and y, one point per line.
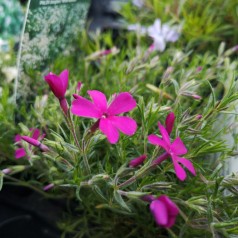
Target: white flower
162	33
138	3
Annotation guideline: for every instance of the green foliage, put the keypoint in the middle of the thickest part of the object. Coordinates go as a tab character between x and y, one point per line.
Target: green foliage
106	199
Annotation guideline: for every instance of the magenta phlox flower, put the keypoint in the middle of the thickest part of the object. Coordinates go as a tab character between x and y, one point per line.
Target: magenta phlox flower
109	122
58	85
164	211
174	149
36	135
137	161
162	33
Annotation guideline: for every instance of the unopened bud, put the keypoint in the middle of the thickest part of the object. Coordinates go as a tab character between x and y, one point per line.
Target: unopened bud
137	161
48	187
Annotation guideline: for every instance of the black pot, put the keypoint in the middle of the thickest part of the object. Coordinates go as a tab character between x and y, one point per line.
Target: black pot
26	214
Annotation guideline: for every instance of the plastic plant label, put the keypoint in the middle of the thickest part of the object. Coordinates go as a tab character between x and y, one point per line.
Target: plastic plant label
50	27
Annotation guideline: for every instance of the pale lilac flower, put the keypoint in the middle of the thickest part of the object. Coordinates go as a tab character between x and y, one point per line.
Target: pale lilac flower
199	116
102	53
199	68
109	123
197	97
58	85
137	161
164	211
174	150
162	33
48	187
138	3
6	171
20	152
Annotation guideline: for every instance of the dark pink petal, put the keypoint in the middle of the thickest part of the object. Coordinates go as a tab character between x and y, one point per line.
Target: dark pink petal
84	108
171	206
160	213
19	153
31	141
155	140
188	164
137	161
178	147
56	85
164	134
169	122
126	125
79	85
17	138
64	76
99	99
76	96
123	102
179	170
109	130
36	134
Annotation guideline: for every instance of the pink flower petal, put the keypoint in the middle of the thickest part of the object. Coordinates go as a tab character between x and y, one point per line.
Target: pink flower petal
64	76
178	147
35	134
109	130
169	122
56	85
31	141
123	102
19	153
164	134
99	99
17	138
126	125
155	140
179	170
188	164
160	213
171	206
84	108
137	161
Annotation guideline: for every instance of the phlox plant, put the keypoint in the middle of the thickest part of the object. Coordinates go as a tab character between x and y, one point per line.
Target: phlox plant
138	147
120	158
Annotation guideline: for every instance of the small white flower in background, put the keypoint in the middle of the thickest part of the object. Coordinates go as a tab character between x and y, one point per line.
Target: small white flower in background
162	33
138	3
10	73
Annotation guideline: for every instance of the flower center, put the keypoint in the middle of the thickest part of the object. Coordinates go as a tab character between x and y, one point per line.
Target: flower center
105	115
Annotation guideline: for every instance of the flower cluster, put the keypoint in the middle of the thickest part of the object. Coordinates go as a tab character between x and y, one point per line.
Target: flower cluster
110	122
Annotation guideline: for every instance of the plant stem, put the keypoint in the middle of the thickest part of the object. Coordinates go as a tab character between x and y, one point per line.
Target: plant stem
143	171
72	128
85	159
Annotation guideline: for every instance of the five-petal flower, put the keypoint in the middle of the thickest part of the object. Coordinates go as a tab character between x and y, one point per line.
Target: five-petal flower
162	33
174	149
109	122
